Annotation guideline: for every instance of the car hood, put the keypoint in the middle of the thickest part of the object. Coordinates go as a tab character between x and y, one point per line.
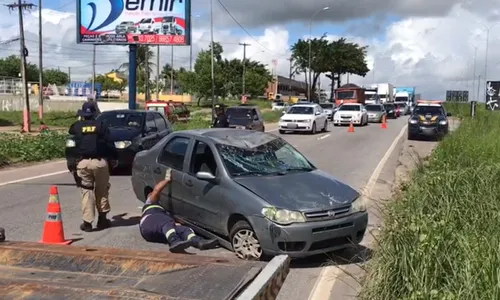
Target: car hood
123	133
300	191
297	117
348	113
377	112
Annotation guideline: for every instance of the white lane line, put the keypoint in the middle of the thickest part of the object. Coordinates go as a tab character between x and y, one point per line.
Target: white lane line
328	276
33	177
324	136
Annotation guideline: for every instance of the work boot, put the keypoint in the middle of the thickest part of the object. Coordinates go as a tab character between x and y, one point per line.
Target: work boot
86	226
103	222
176	244
202	243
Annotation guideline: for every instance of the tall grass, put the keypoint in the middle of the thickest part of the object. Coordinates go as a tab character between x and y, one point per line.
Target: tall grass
441	238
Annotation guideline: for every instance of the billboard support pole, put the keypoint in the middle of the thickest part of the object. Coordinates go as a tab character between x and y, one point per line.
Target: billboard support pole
132	76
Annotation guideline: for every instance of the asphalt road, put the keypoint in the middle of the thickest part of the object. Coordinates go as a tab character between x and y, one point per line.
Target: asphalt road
352	157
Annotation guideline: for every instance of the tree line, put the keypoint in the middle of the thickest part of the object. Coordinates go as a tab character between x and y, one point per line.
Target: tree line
10	66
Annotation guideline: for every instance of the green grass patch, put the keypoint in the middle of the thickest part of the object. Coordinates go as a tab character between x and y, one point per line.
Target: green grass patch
261	103
17	148
51	118
272	116
441	235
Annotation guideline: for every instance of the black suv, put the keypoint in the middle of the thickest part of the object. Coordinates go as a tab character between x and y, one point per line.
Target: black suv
428	119
131	131
245	117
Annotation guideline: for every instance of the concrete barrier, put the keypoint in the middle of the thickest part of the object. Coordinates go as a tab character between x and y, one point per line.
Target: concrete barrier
16	103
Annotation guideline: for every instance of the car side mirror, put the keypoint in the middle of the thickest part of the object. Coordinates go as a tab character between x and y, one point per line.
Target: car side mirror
317	113
283	112
205	176
255	118
448	114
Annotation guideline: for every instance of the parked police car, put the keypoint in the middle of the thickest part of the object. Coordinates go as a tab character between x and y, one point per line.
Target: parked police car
430	119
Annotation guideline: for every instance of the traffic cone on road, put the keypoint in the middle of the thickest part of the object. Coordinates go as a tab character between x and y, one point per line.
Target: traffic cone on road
384	123
53	230
351	127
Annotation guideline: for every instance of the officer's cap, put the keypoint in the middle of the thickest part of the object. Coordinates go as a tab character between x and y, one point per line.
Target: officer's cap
88	110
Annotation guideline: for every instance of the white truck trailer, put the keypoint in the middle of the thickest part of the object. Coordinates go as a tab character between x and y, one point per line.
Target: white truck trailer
385	92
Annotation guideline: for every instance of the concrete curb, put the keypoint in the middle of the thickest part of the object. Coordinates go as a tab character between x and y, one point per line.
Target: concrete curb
268	283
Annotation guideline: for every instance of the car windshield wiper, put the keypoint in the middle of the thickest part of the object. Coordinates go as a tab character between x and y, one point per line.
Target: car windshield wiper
249	173
299	169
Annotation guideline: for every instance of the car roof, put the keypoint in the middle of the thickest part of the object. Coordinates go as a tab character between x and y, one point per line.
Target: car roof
124	111
240	138
306	105
357	104
243	106
429	104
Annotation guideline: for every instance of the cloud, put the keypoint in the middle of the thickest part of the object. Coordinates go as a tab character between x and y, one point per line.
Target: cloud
432	53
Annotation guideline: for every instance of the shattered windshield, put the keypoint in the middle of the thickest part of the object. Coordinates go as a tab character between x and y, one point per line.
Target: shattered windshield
275	157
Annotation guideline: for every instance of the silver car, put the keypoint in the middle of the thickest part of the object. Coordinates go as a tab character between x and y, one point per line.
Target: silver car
253	191
376	112
328	109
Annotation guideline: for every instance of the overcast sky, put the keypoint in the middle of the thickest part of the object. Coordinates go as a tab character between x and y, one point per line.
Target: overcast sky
428	44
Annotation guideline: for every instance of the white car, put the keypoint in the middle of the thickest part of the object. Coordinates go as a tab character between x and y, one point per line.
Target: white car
279	105
305	118
351	112
148	25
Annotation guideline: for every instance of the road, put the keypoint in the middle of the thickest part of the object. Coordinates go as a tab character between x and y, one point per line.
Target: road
351	157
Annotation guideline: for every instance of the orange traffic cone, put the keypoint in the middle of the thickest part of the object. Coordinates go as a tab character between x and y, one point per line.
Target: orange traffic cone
384	123
351	127
53	231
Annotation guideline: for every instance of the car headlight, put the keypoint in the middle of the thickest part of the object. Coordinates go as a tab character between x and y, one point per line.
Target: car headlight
70	143
413	121
391	111
307	121
358	205
283	216
122	144
443	122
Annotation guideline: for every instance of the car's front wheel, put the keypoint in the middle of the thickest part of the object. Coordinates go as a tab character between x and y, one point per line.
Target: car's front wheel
313	129
245	242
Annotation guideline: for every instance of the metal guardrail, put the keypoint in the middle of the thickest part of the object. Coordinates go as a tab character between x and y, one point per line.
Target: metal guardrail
268	283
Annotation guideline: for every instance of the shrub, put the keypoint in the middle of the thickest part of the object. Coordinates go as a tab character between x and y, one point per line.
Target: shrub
440	239
15	148
51	118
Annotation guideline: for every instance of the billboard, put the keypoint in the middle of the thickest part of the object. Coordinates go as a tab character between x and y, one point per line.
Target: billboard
123	22
82	89
492	95
457	96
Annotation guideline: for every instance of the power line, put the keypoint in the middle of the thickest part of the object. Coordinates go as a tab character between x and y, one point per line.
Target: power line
246	31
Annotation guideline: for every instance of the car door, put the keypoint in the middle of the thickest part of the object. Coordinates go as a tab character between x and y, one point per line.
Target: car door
204	200
173	155
256	122
150	137
161	124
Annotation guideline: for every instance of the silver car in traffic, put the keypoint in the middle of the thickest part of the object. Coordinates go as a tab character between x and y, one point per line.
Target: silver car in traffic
253	191
376	113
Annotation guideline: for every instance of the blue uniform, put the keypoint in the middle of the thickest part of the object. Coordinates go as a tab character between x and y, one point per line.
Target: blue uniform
157	226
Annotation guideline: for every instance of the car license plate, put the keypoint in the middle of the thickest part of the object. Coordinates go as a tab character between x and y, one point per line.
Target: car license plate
240	127
292	125
372	115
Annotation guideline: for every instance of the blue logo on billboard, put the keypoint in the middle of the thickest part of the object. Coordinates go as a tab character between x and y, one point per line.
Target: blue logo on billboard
116	8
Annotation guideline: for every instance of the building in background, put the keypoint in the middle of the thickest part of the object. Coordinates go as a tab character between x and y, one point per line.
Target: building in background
281	86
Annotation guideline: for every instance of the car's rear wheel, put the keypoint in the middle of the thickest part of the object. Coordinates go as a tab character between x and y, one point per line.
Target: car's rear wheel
245	242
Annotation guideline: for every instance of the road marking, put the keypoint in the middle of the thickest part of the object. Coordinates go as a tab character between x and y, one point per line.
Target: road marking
275	129
33	177
37	165
328	276
323	137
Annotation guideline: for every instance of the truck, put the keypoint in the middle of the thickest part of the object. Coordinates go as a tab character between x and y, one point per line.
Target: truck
48	271
385	92
349	93
371	95
405	94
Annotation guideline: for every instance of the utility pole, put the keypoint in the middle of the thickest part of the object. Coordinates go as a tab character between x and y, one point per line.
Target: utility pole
20	6
290	74
40	61
147	73
212	64
93	70
244	67
172	71
69	73
474	75
158	72
478	84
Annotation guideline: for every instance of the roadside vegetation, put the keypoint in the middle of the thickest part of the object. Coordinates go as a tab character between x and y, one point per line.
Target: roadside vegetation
440	238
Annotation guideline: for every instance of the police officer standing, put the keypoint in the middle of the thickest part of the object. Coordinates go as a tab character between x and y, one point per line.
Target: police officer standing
93	149
221	118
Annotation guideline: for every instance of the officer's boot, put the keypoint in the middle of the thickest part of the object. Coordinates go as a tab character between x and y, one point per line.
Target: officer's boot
86	226
202	243
103	222
176	244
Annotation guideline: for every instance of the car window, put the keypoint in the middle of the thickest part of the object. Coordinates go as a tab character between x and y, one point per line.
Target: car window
150	121
160	122
174	153
428	110
301	110
350	108
373	108
203	159
273	157
238	113
122	119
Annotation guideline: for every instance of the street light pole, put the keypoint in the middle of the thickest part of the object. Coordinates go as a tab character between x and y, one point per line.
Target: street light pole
310	54
212	66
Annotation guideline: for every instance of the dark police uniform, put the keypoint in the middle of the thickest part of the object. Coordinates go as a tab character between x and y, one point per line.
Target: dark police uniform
93	149
221	118
157	226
